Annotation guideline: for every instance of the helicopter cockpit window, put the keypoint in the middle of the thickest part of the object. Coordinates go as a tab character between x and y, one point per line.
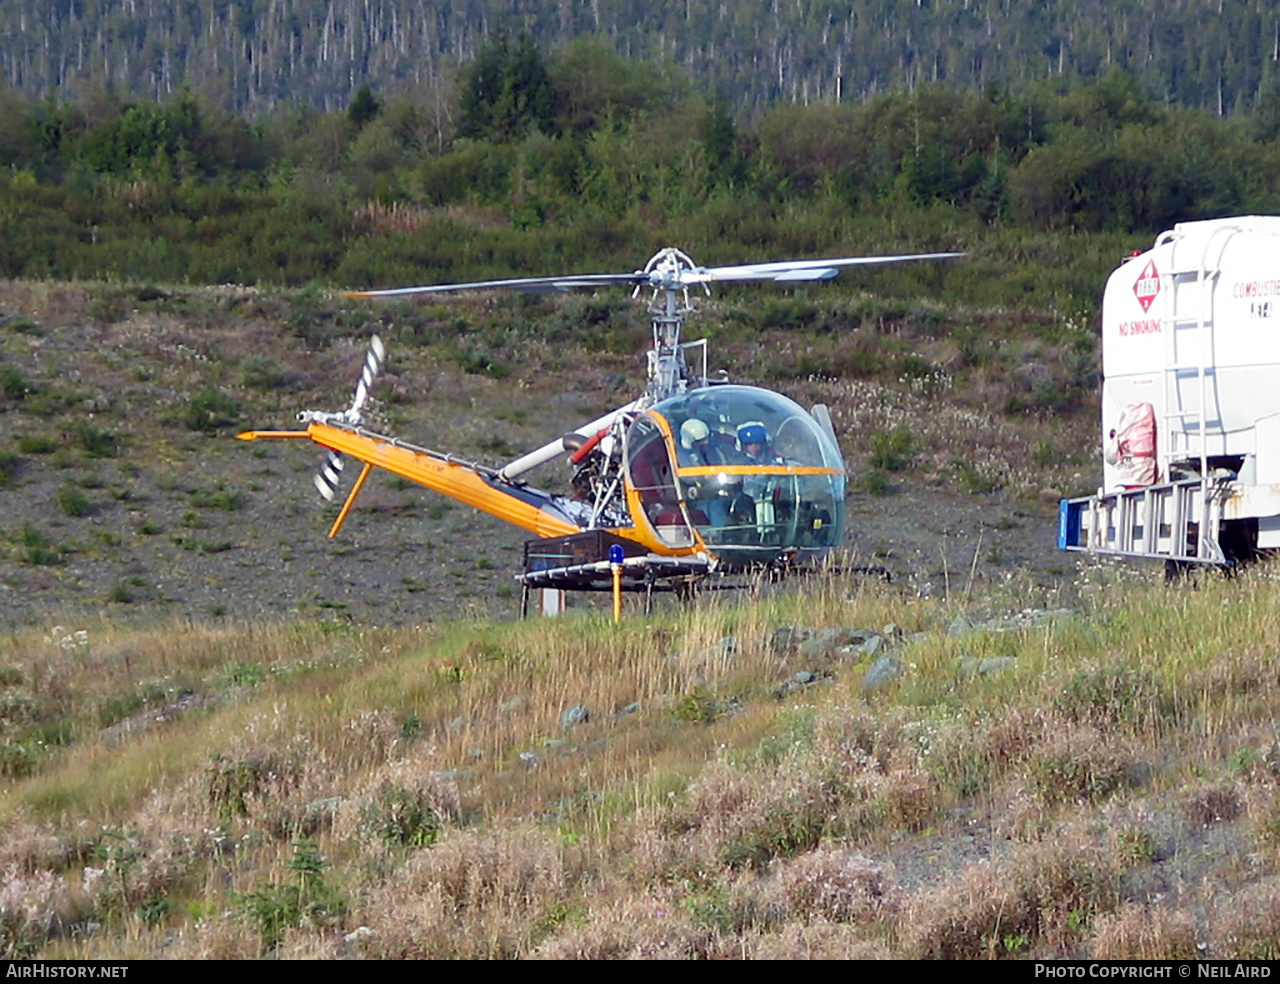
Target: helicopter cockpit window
653	478
759	477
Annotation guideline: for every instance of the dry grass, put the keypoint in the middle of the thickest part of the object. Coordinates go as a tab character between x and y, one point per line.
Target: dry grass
1247	925
472	895
1039	898
394	794
1143	932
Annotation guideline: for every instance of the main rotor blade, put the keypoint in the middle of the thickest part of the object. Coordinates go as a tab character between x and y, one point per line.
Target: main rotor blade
669	277
532	284
798	269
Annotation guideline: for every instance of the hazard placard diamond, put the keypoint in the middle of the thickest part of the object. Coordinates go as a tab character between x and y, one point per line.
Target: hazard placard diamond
1148	286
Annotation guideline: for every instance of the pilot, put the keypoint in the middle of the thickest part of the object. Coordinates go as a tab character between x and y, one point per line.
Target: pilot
701	447
753	442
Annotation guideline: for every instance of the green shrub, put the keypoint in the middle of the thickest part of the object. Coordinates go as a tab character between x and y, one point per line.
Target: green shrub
402	818
94	441
971	480
474	359
22	325
699	706
19	759
229	785
874	482
1064	777
37	548
912	366
121	593
891	450
246	674
1116	695
264	373
211	410
782	832
9	463
13	385
72	501
222	497
274	907
37	444
154	910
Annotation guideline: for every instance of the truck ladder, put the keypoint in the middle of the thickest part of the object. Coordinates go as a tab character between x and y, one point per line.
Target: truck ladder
1169	521
1188	326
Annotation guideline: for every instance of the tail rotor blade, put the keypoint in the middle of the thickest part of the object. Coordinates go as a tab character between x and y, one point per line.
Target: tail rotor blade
329	477
368	376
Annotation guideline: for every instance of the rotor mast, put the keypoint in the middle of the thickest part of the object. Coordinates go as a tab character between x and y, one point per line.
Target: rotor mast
668	371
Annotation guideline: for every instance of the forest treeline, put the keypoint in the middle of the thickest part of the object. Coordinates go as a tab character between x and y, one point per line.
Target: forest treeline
253	56
580	159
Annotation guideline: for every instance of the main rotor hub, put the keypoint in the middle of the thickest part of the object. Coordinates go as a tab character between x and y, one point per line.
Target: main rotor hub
665	266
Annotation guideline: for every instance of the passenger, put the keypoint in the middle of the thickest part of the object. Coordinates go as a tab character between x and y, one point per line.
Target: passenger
761	494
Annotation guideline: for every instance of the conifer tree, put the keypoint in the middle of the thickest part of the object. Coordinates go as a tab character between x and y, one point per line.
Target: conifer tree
506	91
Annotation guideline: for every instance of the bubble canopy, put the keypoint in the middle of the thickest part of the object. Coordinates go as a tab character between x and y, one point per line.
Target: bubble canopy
746	469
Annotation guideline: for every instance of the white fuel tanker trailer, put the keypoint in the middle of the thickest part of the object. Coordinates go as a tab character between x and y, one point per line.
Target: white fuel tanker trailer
1190	400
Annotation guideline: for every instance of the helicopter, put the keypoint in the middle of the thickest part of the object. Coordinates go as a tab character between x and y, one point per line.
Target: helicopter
692	478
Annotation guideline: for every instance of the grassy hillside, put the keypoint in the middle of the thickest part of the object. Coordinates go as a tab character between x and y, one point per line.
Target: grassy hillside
1100	781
